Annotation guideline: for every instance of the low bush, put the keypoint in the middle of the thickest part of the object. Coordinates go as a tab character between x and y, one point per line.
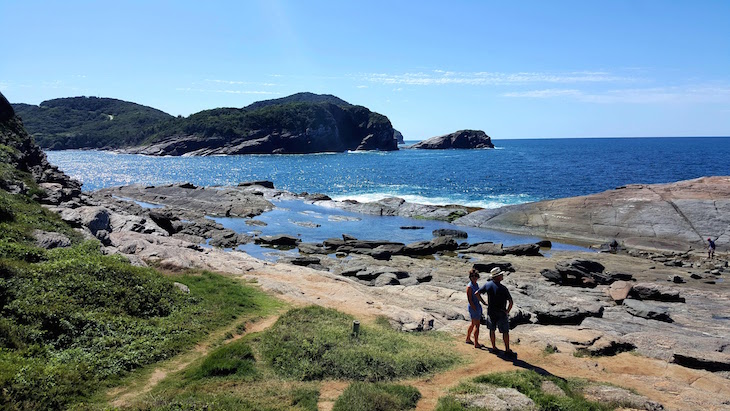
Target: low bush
529	383
235	358
361	396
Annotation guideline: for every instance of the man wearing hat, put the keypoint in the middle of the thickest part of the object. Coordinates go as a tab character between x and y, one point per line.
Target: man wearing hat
499	304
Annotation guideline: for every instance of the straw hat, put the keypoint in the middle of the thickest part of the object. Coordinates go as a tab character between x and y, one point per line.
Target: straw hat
496	271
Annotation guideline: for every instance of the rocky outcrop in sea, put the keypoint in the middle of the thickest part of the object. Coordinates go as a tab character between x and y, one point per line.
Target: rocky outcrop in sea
457	139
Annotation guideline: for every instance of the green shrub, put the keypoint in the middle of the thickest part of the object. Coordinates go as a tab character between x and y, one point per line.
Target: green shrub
17	251
305	398
314	343
6	209
235	358
527	382
377	397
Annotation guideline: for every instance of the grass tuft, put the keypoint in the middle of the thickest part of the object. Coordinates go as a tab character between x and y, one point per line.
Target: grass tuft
361	396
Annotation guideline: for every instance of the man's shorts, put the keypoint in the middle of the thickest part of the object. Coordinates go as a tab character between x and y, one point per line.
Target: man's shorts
498	320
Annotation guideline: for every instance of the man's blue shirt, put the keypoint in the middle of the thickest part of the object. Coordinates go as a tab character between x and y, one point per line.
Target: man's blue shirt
497	297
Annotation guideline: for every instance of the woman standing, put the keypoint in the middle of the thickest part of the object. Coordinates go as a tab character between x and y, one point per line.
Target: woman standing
475	308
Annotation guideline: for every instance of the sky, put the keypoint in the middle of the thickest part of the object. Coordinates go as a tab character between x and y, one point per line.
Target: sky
514	69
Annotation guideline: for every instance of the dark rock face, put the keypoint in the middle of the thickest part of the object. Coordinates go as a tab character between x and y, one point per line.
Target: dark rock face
580	273
450	232
648	291
299	124
6	110
458	139
27	157
650	312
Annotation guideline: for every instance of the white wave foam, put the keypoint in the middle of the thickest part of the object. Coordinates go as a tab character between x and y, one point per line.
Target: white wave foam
490	202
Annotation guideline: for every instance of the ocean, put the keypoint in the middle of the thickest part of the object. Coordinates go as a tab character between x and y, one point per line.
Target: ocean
516	171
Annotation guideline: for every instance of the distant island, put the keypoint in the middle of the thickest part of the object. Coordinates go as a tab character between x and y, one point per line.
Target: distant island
297	124
458	139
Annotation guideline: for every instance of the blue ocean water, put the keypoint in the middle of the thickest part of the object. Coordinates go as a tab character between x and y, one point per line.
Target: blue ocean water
517	171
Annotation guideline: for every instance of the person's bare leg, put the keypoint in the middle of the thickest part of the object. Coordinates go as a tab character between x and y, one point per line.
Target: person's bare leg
493	339
476	336
468	333
505	338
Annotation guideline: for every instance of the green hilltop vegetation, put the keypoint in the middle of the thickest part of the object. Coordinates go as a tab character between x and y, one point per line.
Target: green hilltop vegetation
105	123
88	122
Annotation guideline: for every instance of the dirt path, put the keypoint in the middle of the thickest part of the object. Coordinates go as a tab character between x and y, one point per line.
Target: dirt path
124	396
676	387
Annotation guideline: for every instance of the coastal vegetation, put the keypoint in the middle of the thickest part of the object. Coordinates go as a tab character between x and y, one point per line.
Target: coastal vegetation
567	396
74	320
330	123
285	366
88	122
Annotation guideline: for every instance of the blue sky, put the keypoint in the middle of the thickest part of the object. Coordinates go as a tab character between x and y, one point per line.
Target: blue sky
515	69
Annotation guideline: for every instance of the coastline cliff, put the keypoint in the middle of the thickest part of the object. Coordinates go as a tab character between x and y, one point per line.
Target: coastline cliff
298	124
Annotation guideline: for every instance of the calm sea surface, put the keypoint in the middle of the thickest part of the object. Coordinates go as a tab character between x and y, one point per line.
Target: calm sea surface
517	171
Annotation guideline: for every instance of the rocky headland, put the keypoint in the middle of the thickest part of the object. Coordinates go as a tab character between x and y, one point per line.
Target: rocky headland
458	139
297	124
646	318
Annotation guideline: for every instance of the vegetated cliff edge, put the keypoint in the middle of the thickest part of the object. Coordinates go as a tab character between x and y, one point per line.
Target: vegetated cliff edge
89	122
23	163
457	139
297	124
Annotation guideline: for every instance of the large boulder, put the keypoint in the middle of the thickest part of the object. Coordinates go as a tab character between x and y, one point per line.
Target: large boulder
458	139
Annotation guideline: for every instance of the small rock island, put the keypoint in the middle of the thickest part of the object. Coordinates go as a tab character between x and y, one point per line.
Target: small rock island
457	139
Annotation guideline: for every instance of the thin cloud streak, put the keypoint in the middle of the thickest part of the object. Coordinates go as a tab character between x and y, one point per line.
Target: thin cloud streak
235	82
686	94
483	78
202	90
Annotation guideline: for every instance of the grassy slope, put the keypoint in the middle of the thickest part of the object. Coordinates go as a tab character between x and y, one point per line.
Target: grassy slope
74	320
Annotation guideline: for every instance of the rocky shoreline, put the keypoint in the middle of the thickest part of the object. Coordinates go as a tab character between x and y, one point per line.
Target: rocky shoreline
666	305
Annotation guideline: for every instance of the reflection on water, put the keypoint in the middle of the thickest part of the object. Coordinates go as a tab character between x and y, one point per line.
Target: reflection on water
313	223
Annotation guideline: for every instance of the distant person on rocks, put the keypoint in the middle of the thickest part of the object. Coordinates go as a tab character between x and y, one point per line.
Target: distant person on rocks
499	304
710	248
475	308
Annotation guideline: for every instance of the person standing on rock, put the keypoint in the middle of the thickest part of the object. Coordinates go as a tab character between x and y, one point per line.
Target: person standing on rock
499	304
475	308
710	248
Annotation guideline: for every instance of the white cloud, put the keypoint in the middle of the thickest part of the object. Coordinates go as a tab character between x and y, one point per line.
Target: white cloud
202	90
678	94
236	82
362	86
483	78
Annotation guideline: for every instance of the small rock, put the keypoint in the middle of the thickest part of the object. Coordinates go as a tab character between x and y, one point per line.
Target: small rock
182	287
619	290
